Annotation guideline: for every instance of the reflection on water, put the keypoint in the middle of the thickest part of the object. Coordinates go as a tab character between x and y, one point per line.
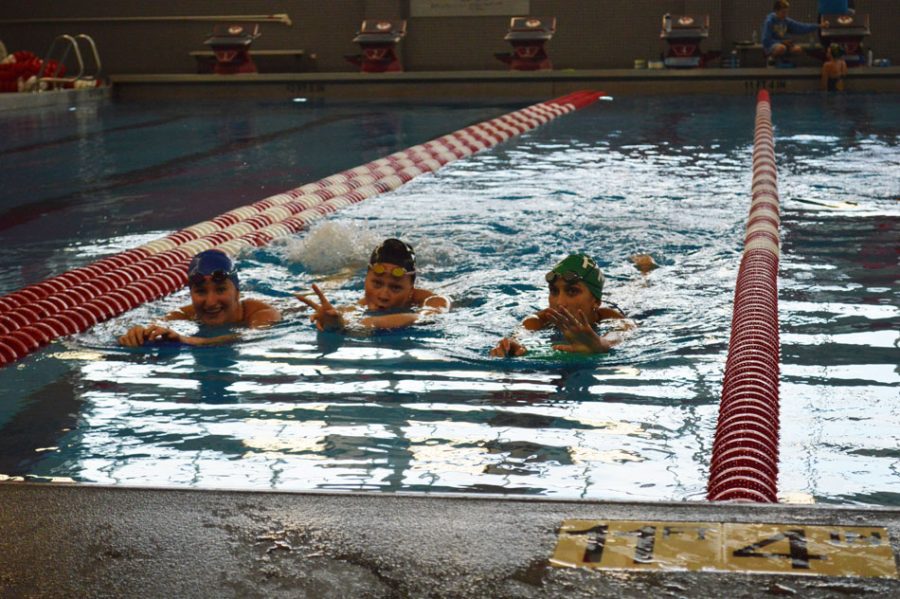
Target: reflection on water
427	410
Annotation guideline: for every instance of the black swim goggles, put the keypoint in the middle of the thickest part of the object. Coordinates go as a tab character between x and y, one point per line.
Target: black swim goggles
217	276
569	277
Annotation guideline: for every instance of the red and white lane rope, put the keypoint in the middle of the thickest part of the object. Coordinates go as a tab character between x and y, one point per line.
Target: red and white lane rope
79	299
744	463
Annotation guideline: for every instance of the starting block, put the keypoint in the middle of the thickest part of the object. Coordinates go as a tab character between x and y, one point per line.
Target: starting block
848	32
378	40
527	35
230	42
683	35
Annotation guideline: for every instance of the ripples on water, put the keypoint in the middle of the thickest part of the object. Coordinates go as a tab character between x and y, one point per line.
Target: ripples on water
426	410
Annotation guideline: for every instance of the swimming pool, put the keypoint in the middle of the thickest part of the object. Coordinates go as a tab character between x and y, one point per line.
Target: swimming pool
427	410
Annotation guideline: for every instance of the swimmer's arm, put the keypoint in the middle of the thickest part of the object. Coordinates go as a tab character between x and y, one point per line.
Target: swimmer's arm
140	335
390	321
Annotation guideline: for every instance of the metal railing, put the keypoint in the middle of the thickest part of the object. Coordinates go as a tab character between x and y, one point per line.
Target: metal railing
70	45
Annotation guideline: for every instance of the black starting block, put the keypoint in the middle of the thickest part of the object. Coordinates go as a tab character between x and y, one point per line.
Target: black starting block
528	35
378	41
231	44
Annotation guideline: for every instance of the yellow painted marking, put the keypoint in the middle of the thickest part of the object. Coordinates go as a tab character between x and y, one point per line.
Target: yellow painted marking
726	547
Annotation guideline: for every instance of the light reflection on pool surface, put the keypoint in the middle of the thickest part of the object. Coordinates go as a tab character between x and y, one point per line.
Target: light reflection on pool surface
427	410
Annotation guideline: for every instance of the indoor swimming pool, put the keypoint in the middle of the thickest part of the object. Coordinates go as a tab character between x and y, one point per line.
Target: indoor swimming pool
426	409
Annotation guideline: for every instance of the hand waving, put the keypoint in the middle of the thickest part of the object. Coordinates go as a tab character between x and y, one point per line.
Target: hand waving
579	332
326	317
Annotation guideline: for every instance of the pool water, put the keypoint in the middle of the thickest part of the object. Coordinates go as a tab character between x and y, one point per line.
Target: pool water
426	410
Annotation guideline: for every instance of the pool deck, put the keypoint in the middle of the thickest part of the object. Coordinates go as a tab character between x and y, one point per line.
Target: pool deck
75	540
493	84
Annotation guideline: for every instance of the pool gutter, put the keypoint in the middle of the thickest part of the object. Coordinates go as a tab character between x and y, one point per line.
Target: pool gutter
492	84
77	540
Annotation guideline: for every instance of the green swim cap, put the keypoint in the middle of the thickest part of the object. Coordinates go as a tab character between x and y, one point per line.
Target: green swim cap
836	50
579	267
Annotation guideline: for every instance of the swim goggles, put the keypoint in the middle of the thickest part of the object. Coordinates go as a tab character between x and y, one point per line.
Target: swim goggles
397	271
568	277
216	276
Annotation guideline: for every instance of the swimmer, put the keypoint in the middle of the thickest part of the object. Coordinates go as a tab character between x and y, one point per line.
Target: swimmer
834	69
576	289
215	301
390	298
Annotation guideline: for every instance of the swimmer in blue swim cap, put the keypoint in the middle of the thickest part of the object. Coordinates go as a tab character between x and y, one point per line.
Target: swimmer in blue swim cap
576	291
391	299
215	301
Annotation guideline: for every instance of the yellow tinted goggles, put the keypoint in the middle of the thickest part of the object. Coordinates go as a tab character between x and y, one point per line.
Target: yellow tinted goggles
397	271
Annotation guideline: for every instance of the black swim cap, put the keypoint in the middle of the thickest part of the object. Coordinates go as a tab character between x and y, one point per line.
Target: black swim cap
394	251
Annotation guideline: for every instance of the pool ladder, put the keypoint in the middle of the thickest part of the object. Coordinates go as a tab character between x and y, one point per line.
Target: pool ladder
67	44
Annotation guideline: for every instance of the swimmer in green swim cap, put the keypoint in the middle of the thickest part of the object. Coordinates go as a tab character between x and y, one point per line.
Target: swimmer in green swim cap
576	291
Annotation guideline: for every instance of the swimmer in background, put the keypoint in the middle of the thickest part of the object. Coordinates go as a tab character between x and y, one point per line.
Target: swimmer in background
834	69
215	301
576	290
390	298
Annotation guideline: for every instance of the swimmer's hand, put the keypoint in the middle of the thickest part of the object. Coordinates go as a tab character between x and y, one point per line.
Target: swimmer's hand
138	336
326	317
537	321
508	348
579	332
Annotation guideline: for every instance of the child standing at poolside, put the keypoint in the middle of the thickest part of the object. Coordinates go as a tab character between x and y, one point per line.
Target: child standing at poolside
834	69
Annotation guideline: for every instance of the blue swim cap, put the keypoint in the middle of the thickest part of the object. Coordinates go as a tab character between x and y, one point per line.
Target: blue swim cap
215	264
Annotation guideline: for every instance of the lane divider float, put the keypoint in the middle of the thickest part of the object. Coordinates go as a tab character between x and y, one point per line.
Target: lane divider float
79	299
744	464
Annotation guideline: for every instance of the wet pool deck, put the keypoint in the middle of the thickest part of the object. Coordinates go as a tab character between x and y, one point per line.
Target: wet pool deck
493	84
73	540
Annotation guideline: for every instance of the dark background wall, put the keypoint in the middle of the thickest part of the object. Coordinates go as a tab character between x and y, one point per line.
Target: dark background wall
591	34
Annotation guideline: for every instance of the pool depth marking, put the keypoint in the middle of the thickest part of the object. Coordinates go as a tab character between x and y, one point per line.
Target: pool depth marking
744	464
79	299
805	549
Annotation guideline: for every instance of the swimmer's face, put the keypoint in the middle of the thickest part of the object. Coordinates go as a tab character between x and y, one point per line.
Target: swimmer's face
216	302
574	297
386	292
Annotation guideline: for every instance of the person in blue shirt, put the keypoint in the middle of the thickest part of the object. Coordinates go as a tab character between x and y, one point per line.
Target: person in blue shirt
777	27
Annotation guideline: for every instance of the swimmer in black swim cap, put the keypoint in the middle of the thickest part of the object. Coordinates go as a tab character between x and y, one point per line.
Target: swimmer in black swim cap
390	294
576	291
215	301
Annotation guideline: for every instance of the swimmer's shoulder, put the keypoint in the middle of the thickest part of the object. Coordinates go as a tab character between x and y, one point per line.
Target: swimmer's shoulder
184	313
607	313
424	298
258	313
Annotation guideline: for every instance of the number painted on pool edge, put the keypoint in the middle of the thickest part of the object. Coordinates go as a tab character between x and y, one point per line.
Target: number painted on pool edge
828	550
799	552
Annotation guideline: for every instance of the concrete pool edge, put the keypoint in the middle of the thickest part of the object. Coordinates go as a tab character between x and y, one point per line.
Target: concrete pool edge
93	540
492	84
